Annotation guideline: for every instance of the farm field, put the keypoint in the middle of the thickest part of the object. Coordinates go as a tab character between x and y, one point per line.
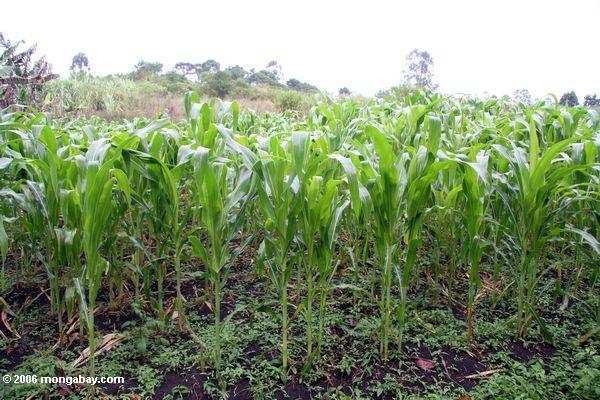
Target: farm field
416	246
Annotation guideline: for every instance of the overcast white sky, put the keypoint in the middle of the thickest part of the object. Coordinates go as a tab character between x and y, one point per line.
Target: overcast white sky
477	46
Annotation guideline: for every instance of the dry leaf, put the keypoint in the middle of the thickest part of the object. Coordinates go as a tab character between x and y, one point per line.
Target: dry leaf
483	374
4	319
108	342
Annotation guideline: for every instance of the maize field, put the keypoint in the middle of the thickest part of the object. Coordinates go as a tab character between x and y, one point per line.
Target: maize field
380	248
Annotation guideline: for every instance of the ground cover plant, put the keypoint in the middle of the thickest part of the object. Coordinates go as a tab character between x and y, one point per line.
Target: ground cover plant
411	246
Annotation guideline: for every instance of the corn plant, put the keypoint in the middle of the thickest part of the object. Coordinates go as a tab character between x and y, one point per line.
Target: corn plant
162	184
475	176
386	194
220	196
423	171
536	195
276	167
445	227
475	202
320	214
51	214
98	179
400	195
359	215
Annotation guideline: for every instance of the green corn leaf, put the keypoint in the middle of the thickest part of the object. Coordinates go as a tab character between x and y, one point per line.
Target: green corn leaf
5	162
3	240
587	237
198	248
123	184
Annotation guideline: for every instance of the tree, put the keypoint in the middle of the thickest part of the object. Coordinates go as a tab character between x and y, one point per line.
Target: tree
263	77
237	72
275	69
175	83
419	71
218	84
299	86
21	78
80	63
198	70
188	69
210	66
344	91
569	99
145	69
591	101
522	96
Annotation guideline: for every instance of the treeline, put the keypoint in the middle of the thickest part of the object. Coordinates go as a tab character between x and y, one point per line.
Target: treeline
217	81
570	99
24	79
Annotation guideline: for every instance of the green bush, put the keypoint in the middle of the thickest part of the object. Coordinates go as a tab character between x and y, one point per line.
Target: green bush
290	101
218	84
175	83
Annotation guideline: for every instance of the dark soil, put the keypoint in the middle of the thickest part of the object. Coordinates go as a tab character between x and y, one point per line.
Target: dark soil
191	379
525	352
417	367
241	391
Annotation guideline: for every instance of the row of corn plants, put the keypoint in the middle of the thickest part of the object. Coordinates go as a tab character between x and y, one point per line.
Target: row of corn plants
485	185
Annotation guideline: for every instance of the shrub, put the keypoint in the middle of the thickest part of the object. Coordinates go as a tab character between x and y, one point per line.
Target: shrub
569	99
591	101
295	84
175	83
218	84
290	101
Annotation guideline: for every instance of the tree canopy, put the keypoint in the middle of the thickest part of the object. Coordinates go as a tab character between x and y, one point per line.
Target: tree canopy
419	70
